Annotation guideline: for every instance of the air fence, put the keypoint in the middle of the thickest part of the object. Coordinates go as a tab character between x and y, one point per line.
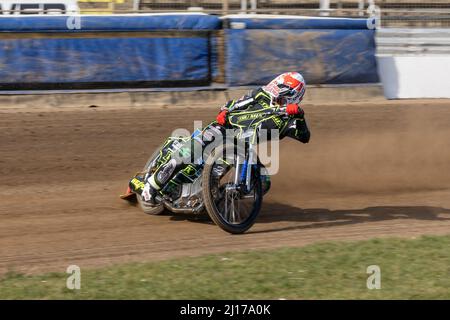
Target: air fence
181	50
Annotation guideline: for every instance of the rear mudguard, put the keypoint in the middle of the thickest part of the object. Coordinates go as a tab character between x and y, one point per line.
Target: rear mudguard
135	185
129	195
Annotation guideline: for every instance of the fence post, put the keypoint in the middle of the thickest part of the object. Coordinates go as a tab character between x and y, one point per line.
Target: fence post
361	8
253	5
244	6
225	7
136	5
324	7
111	6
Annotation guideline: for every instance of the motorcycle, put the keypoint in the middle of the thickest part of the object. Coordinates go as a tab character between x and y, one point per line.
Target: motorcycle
228	181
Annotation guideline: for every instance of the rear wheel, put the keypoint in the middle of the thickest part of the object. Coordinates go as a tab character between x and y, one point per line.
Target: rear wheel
229	206
149	209
145	206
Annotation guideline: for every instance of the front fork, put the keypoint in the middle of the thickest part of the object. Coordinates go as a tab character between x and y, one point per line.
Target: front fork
243	174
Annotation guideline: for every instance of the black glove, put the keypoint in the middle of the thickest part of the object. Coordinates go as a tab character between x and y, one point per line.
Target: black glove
303	134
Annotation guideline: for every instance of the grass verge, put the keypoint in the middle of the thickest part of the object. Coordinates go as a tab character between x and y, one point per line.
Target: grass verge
410	269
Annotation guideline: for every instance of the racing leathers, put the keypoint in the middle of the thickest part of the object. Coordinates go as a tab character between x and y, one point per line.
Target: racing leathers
260	99
171	159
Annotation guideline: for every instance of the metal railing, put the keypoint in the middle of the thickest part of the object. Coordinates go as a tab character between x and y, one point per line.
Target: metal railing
392	13
399	41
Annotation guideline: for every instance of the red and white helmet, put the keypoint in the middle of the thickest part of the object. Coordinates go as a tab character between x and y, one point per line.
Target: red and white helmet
287	88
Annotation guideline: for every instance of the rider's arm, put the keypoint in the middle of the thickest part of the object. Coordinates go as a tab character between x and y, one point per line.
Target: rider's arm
243	103
246	100
298	128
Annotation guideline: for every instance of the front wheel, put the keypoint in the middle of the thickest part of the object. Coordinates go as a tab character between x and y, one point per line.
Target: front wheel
229	206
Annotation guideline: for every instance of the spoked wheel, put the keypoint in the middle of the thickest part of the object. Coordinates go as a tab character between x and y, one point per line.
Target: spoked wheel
146	207
230	206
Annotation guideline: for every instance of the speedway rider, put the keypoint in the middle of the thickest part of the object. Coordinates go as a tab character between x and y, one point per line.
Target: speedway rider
286	90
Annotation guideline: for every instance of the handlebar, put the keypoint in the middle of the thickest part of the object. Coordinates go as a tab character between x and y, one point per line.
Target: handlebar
281	112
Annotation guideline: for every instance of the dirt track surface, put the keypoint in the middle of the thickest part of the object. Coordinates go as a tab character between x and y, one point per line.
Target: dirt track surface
370	170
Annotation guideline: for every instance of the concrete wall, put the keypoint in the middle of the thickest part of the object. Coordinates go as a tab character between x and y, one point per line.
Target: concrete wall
315	95
415	76
414	63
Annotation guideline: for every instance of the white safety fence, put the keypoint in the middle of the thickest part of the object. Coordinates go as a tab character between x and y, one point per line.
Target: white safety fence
414	63
413	41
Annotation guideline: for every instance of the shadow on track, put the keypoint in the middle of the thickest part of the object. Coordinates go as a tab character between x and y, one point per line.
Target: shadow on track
323	218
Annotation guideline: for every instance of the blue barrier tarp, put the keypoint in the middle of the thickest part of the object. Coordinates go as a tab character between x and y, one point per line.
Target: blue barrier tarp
109	23
323	56
324	50
75	60
97	58
298	23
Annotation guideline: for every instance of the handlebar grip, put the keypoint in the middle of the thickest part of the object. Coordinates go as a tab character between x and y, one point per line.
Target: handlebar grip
282	111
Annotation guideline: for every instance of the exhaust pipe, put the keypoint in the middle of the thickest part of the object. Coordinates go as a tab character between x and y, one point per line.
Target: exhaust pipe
169	207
